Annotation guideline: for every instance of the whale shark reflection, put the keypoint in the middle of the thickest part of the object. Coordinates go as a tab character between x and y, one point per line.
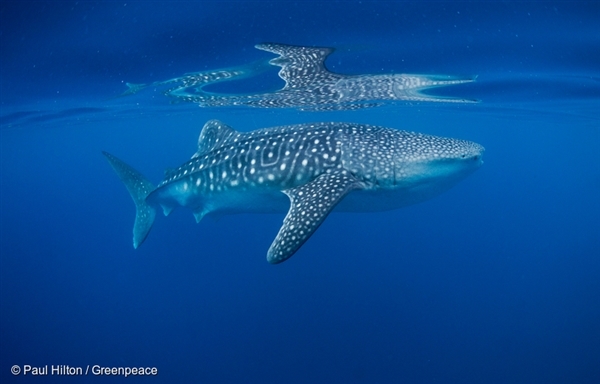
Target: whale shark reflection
309	85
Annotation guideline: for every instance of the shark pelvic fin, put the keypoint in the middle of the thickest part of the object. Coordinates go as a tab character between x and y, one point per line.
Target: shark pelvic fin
139	188
309	206
167	209
199	214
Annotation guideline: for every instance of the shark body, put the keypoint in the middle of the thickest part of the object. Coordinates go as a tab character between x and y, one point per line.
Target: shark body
309	85
306	170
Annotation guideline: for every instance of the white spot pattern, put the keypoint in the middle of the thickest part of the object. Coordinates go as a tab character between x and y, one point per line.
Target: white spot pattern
309	86
315	164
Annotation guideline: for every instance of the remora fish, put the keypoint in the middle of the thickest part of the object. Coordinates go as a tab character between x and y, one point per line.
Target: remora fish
306	170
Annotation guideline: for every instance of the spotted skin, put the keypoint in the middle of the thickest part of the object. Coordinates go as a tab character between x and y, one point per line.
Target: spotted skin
139	188
307	170
309	86
309	206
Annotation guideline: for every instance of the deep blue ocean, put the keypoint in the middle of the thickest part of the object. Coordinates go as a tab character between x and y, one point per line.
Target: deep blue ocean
494	281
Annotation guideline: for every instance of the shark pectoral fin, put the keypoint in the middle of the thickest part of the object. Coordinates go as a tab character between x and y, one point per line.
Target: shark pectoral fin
309	206
139	188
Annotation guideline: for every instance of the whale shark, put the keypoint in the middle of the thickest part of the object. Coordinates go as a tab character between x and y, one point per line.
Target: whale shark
309	85
306	170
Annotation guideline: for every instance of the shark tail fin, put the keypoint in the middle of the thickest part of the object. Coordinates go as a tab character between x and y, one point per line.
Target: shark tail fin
139	188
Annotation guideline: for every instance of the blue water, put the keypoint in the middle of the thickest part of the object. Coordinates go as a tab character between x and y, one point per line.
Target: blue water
495	281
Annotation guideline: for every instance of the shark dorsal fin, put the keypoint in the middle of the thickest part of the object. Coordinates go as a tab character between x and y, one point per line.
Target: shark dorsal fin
213	134
301	66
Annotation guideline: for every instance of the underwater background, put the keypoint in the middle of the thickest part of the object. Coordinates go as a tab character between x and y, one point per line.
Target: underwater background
494	281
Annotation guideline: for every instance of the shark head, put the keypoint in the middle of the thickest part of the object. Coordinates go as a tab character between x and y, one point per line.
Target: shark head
438	164
420	166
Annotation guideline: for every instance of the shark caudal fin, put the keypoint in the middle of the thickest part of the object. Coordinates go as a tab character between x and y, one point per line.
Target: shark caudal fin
139	188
